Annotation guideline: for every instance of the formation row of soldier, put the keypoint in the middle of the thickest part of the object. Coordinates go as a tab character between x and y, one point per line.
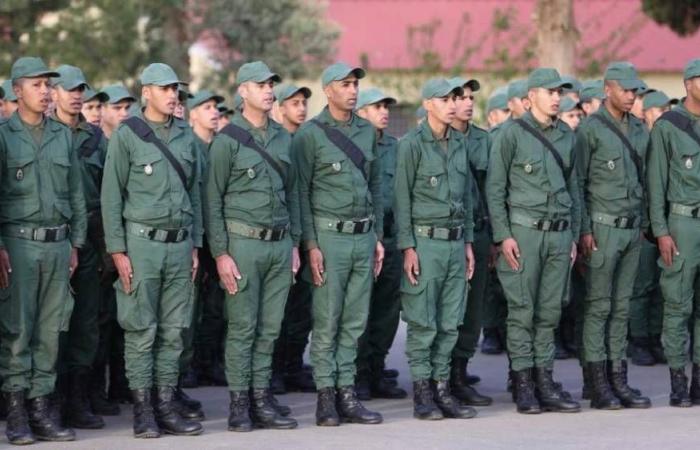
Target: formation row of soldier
204	228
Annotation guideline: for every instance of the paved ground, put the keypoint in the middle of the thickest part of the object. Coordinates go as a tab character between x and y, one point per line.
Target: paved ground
496	427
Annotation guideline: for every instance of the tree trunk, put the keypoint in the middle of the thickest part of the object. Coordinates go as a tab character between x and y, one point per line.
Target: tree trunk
556	35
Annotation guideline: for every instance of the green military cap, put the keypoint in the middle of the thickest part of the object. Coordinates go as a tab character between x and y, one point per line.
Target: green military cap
339	71
439	87
160	74
575	84
372	96
624	73
284	91
472	84
658	99
591	89
30	67
69	78
238	102
567	104
223	109
421	112
203	97
517	89
498	99
90	95
256	71
547	78
644	89
116	93
9	92
183	94
692	69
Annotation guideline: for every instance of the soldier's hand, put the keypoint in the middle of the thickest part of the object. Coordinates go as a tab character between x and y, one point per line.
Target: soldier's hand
123	263
5	269
511	252
316	265
469	252
378	259
195	263
667	249
228	272
411	266
73	264
588	244
296	261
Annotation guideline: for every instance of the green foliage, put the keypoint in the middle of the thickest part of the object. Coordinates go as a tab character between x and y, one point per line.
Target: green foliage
681	16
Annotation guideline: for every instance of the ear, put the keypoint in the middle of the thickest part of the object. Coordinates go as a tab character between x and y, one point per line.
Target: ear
428	105
328	90
243	90
146	93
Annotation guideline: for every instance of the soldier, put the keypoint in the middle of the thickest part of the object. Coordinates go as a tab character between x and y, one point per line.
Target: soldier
478	144
42	226
534	204
225	114
252	221
385	307
340	193
591	96
518	104
116	108
610	148
92	106
152	218
9	103
433	207
181	107
497	107
655	104
79	345
572	93
570	112
672	177
292	103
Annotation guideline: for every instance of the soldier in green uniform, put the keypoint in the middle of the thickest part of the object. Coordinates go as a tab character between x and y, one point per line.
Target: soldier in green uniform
673	174
9	102
497	110
93	102
340	193
116	108
385	305
43	223
79	344
252	223
433	208
225	114
610	148
533	200
478	144
151	208
518	103
591	96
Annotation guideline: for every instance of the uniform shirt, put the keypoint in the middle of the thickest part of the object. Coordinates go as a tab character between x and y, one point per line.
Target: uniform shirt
525	178
386	150
673	169
40	184
478	145
607	174
330	186
433	185
241	186
141	185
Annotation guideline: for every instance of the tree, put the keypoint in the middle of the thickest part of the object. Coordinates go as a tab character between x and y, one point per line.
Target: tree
556	34
681	16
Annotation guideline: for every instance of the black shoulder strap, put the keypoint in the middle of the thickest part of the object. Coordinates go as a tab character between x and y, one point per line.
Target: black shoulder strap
243	137
90	145
632	152
682	122
345	144
146	134
548	145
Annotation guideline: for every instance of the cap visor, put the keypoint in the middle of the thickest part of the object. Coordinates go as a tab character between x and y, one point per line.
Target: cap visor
558	84
42	73
169	82
101	96
268	76
631	84
473	85
72	86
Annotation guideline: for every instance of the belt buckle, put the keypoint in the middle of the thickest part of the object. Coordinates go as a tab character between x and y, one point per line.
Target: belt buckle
695	212
622	222
545	224
453	234
50	235
181	234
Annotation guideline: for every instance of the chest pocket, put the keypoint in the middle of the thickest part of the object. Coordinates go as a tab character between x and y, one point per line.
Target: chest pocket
687	159
188	164
21	176
431	175
148	171
336	167
60	171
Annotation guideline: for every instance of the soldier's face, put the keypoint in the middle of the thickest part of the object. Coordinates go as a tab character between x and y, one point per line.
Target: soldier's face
258	95
516	106
69	102
33	94
545	101
223	121
114	114
342	94
498	116
8	108
442	109
692	87
465	105
377	114
651	115
295	108
571	118
92	111
620	98
163	99
206	115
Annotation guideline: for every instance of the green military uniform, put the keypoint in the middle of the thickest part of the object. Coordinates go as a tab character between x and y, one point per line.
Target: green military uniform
646	305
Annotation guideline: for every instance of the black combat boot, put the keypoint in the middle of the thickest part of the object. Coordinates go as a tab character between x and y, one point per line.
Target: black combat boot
78	411
17	429
118	384
98	394
265	415
186	406
41	423
586	388
602	396
679	389
624	373
239	412
695	385
448	404
617	375
524	392
188	379
491	343
424	407
381	387
550	396
326	412
560	351
362	383
390	373
282	410
351	410
639	352
460	387
210	370
657	349
168	419
145	425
